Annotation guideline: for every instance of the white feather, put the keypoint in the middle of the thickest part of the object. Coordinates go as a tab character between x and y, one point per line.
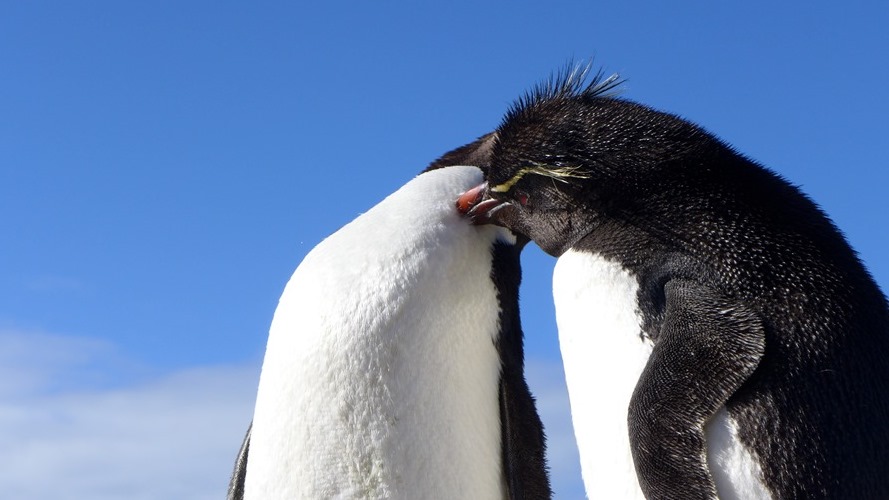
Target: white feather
380	375
603	357
735	471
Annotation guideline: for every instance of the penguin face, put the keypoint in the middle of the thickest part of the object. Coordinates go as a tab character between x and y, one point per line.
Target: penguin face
545	179
531	203
566	159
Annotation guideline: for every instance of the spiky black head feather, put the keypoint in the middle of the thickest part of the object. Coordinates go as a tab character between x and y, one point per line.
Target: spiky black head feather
575	81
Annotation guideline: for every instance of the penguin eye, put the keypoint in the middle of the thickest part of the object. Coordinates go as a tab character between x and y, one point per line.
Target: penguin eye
521	197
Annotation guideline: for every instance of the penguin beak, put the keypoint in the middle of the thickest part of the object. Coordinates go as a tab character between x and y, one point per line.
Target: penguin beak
478	206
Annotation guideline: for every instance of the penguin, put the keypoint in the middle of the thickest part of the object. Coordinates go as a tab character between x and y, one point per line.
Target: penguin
720	337
394	365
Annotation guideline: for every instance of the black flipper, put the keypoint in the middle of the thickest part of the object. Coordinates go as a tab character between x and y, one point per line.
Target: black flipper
523	442
705	349
236	484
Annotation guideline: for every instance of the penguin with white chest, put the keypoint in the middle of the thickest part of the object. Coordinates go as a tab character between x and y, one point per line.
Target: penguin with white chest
720	337
394	366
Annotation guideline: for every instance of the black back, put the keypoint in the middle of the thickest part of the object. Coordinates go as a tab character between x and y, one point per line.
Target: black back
477	153
239	473
674	204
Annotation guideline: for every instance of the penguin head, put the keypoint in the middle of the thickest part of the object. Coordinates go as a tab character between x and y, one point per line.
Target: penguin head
477	154
570	155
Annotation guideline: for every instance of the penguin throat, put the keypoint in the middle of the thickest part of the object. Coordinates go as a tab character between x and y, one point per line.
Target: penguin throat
568	239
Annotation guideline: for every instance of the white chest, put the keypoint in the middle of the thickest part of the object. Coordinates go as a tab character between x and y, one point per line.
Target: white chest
603	355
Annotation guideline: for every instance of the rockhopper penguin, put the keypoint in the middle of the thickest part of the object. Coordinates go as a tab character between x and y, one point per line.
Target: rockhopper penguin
394	366
719	335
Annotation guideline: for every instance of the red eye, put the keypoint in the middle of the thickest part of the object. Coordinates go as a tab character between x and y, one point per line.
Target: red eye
522	198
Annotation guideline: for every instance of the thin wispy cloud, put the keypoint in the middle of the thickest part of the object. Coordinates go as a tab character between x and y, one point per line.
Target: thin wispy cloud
173	436
47	283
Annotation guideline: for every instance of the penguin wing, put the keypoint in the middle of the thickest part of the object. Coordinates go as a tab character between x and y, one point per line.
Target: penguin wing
707	346
236	484
523	440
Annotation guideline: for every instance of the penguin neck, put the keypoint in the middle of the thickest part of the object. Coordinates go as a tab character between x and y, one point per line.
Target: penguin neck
556	241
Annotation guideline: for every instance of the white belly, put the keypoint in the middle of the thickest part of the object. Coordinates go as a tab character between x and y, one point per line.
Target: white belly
603	354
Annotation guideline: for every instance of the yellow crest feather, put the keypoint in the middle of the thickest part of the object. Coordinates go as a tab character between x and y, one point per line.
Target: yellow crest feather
555	173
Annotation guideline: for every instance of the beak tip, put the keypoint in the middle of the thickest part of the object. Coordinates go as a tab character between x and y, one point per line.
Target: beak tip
480	209
470	199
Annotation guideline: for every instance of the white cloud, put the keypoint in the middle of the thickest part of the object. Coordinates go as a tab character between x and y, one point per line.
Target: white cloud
35	362
174	436
71	431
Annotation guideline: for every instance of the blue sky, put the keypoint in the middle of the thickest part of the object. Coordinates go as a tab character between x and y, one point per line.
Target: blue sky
165	166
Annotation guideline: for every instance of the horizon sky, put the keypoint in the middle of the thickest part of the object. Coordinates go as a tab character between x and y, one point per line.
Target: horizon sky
165	167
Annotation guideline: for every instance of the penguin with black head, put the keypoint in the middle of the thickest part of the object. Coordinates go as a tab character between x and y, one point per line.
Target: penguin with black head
720	337
394	366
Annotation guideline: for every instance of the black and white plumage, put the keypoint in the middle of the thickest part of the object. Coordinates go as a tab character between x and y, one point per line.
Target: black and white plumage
394	367
720	336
